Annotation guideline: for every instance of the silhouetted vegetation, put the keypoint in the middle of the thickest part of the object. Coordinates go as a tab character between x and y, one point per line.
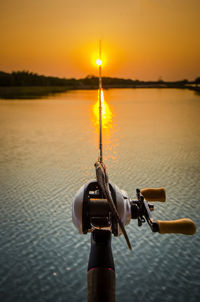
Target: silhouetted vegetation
25	84
197	81
29	92
26	78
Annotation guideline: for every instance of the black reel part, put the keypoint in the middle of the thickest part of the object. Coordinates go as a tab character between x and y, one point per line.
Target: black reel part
96	213
141	210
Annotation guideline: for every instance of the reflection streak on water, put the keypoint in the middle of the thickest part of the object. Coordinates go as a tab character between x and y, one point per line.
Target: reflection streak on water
107	126
107	115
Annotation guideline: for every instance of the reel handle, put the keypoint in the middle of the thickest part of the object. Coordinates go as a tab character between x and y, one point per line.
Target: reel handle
154	194
182	226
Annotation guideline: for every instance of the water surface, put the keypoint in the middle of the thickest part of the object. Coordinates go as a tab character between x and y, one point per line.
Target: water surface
47	151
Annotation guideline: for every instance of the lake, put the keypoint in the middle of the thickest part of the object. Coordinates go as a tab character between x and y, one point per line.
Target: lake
47	152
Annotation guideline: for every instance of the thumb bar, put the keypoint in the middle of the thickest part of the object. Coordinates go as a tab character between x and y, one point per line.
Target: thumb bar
182	226
154	194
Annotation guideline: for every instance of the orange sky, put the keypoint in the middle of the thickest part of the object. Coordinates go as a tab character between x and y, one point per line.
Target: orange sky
143	39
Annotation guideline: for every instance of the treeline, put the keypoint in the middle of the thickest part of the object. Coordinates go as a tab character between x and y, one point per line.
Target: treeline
26	78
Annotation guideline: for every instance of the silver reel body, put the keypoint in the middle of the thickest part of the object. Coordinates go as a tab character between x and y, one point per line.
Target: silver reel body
91	211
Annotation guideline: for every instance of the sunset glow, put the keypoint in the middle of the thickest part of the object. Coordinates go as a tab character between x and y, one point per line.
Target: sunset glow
141	39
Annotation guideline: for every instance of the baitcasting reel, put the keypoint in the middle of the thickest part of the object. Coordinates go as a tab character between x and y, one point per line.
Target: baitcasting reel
91	210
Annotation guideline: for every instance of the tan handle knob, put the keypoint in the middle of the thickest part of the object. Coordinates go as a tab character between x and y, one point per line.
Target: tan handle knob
183	226
154	194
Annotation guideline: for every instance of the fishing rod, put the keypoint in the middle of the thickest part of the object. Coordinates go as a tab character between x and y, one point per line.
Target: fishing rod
99	62
102	209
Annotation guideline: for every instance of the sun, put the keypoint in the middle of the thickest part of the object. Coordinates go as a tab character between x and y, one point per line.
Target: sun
99	62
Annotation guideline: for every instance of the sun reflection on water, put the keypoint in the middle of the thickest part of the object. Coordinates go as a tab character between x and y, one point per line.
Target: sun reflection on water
109	142
107	115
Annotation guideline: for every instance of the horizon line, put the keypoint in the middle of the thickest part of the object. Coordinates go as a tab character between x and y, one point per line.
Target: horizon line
160	78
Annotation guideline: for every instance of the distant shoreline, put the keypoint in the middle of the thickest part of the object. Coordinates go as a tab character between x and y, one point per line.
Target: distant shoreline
28	92
34	92
27	85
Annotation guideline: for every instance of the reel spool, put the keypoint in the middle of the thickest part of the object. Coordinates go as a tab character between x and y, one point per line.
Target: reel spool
91	210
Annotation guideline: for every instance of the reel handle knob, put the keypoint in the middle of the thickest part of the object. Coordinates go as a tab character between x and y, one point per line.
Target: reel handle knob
154	194
182	226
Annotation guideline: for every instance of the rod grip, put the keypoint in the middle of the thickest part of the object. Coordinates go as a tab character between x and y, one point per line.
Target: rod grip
154	194
101	285
182	226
